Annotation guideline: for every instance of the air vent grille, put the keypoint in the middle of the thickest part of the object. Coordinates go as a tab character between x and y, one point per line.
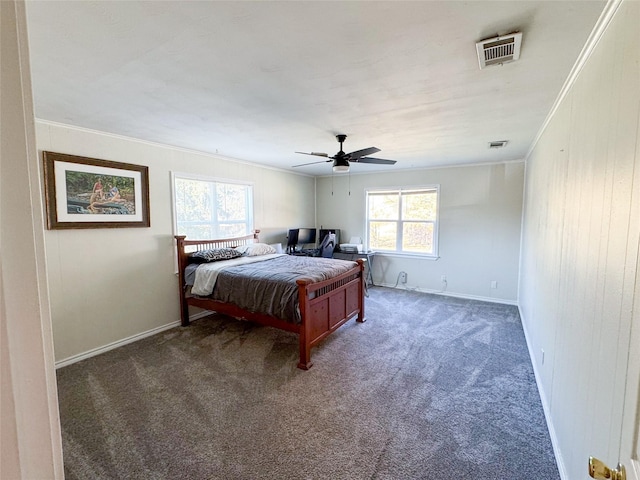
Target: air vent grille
499	50
498	144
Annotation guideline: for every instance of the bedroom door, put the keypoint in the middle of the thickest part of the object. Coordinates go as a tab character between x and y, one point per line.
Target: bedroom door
630	438
630	430
628	467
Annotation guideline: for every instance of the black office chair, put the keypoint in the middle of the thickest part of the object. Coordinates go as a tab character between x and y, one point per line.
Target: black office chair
325	249
328	245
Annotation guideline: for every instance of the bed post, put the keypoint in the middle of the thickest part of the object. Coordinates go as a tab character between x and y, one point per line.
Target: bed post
361	289
182	264
304	334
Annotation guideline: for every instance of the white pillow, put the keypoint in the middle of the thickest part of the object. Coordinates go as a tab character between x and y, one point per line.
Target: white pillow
278	247
255	249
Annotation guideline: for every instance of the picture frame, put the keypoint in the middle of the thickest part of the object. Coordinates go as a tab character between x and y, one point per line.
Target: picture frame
83	192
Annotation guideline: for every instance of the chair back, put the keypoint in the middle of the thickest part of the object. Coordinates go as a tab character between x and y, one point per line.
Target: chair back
328	245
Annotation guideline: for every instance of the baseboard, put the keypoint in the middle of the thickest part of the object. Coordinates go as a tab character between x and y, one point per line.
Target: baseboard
453	294
545	404
125	341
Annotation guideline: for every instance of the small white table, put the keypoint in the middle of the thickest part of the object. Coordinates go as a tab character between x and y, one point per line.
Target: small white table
368	256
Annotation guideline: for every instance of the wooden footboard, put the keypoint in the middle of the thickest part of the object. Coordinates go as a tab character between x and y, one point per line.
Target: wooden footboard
324	306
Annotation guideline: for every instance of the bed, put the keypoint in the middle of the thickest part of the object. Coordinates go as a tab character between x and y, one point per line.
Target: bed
321	301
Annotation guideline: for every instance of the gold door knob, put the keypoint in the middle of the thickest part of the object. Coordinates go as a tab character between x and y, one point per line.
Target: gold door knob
597	469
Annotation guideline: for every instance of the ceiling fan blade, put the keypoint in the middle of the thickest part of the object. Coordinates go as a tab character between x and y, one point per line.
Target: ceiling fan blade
312	163
317	154
362	153
377	161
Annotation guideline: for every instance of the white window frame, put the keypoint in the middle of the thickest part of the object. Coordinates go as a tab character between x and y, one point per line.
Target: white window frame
204	178
400	191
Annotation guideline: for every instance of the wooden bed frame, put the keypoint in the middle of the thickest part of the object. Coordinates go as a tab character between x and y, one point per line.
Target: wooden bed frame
324	306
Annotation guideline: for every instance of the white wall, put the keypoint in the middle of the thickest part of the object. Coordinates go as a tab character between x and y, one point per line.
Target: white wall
580	248
30	440
480	220
114	283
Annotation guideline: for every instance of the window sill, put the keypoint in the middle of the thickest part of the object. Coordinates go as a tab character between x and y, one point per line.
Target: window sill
406	255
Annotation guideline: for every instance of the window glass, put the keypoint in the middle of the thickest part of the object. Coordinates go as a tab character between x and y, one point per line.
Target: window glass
383	235
403	221
419	206
417	237
384	206
207	208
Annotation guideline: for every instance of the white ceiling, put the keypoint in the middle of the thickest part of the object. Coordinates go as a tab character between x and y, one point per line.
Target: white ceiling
258	81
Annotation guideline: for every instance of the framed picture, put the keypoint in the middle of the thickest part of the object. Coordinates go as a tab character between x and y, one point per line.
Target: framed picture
83	192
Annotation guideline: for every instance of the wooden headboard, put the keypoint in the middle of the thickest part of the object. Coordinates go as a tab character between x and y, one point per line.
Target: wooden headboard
190	246
185	247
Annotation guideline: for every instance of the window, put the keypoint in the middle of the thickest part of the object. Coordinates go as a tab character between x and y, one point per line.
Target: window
403	221
206	208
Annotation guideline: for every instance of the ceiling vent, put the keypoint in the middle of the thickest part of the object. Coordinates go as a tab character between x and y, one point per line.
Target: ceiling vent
499	50
498	144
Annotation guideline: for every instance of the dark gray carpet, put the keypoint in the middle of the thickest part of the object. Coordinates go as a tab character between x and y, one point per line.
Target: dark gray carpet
429	387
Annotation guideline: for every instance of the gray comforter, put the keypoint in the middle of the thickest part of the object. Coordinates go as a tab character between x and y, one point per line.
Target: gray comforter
270	286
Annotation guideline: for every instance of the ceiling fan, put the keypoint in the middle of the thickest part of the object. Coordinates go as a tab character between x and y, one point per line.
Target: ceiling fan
342	160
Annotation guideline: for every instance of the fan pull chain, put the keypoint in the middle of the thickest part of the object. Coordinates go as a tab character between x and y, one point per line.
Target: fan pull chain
349	182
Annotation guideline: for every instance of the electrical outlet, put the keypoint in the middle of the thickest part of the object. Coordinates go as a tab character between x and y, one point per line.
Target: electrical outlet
403	277
443	278
494	284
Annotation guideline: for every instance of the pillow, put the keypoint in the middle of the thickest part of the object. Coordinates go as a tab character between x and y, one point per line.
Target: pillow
214	255
277	246
255	249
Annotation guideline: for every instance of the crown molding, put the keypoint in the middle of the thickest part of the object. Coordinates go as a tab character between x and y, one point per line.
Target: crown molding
598	31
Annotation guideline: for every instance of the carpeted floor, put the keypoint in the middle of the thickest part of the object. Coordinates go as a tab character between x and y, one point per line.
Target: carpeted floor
429	387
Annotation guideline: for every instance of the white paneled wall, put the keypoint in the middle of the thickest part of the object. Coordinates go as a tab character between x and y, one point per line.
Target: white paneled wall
580	248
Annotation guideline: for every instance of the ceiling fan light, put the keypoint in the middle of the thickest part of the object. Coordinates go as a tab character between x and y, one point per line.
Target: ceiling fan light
340	165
